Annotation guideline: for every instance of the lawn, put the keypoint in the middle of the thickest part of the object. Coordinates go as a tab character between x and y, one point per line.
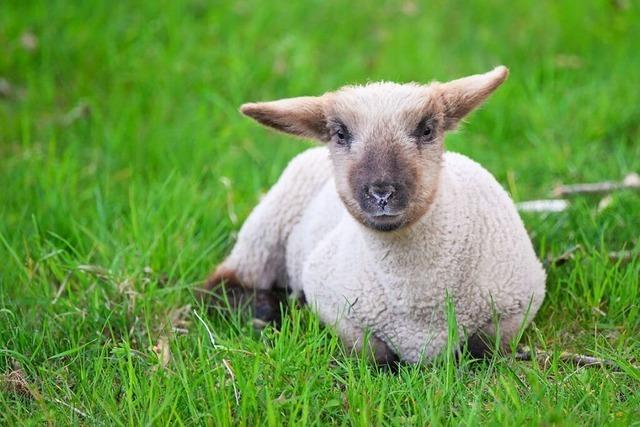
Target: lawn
126	171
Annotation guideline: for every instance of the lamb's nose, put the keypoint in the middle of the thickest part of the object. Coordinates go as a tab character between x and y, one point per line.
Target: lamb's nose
381	193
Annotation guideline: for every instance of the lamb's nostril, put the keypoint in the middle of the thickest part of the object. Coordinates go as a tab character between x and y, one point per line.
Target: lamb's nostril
381	193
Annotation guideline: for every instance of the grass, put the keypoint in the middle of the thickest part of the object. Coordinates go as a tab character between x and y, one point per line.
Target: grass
125	171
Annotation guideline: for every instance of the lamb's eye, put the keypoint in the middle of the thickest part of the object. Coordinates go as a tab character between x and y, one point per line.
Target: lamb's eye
426	130
341	134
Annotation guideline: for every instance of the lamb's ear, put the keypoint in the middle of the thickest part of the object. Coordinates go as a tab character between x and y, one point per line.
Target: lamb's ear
303	116
463	95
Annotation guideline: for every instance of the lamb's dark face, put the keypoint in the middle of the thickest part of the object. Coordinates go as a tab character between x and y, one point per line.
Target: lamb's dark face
386	140
386	146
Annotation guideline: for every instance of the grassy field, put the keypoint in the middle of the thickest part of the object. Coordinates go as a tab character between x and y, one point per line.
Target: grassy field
125	171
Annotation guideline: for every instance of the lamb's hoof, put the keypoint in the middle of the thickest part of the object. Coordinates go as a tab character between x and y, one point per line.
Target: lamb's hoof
482	347
386	359
259	324
266	309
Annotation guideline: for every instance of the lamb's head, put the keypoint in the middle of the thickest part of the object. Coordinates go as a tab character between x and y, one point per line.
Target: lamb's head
385	139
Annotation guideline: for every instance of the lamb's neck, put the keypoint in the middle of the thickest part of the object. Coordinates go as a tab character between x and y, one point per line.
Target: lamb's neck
426	237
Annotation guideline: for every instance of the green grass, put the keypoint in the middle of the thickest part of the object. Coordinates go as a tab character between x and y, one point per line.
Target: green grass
109	219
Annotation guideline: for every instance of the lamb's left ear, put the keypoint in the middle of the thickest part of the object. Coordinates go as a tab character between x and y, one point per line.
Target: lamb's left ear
463	95
303	116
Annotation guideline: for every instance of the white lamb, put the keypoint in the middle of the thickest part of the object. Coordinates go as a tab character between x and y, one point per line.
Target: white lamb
380	226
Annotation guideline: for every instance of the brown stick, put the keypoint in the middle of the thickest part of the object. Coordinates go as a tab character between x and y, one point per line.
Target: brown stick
624	255
568	255
564	257
526	354
630	182
543	206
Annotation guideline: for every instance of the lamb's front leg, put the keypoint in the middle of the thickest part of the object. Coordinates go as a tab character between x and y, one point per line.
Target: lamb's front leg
257	260
357	341
496	336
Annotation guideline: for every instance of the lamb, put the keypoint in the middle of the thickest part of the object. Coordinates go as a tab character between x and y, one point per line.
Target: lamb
380	227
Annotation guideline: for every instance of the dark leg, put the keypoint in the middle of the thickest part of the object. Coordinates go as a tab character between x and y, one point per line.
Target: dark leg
387	360
267	308
223	291
480	346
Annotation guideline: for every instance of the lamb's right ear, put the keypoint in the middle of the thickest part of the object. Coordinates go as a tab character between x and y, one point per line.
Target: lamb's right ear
303	116
463	95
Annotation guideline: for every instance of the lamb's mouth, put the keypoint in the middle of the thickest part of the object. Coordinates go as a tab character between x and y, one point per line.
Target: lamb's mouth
385	214
384	221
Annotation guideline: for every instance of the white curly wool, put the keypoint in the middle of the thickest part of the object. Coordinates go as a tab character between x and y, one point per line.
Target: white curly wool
471	245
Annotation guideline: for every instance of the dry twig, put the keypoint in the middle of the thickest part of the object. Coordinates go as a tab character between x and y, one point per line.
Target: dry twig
543	206
564	257
543	357
624	255
630	182
95	270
